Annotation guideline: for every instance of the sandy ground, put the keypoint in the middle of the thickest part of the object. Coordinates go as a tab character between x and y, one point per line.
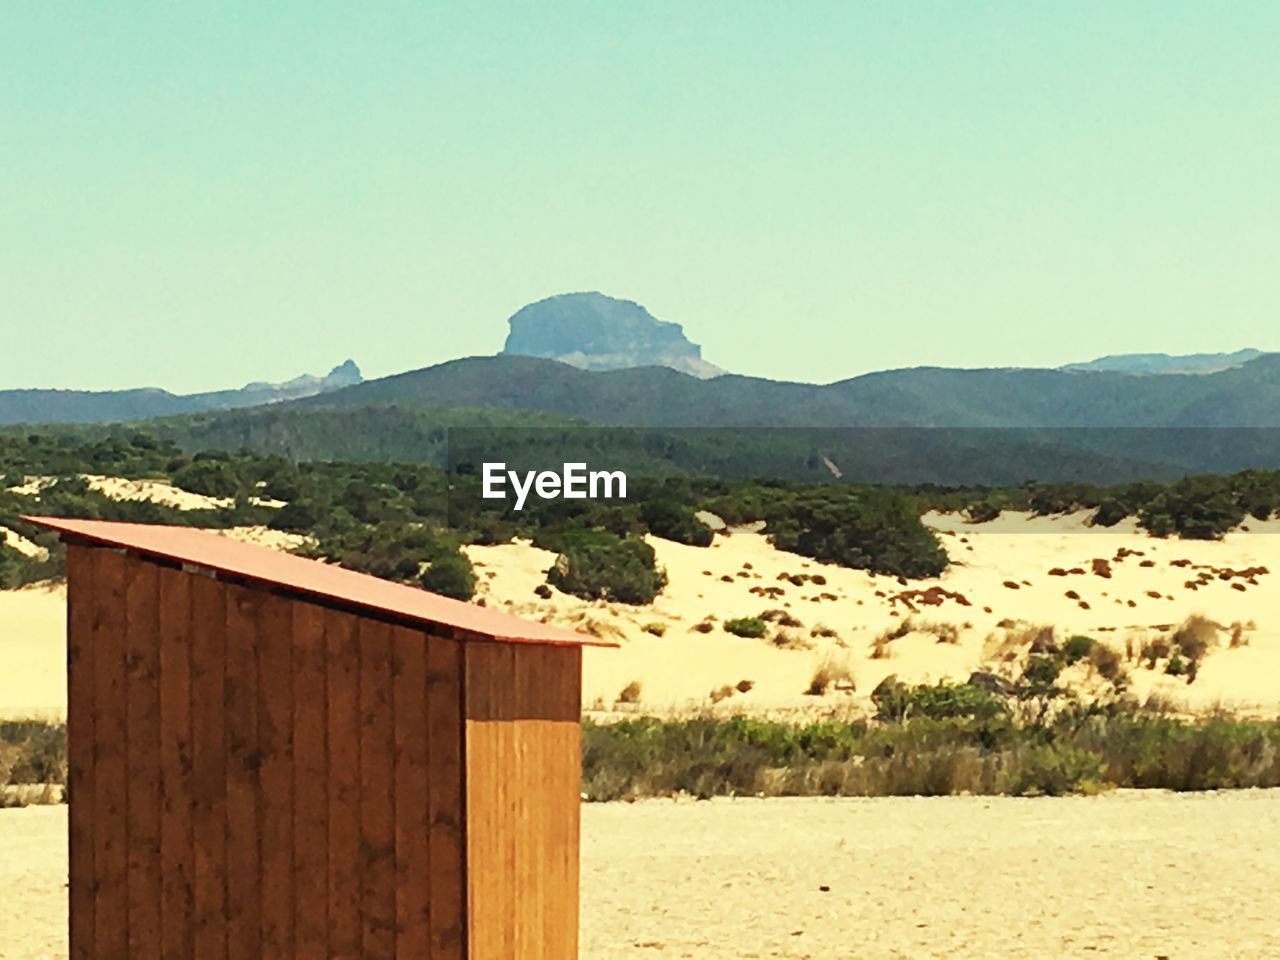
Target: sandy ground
33	652
1126	875
33	645
156	491
1001	574
1006	577
1134	875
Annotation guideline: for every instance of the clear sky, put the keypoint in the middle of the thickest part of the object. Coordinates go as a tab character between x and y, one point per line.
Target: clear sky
196	195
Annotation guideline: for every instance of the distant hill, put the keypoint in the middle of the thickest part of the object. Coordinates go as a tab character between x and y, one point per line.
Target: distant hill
595	332
991	427
94	406
1149	363
1244	396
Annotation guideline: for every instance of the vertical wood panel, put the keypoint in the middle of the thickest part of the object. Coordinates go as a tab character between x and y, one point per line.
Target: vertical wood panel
81	613
274	649
343	680
564	774
310	784
176	867
142	716
244	846
208	811
491	788
377	797
524	768
413	822
534	666
111	935
446	799
506	783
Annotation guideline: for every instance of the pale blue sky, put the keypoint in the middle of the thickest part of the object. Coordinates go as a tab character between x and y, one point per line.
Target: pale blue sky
195	195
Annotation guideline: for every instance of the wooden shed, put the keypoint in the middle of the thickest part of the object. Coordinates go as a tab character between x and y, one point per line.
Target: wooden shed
275	757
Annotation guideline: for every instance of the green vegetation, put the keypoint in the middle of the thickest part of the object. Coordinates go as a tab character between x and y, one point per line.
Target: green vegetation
407	521
929	741
753	627
33	761
600	565
1202	507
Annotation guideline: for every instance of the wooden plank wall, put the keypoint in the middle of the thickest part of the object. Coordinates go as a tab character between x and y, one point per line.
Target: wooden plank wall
253	775
523	774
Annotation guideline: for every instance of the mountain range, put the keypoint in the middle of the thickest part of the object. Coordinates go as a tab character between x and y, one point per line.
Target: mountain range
1108	420
104	406
1147	363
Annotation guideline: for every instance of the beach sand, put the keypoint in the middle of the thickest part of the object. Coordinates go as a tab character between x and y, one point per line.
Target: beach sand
1126	875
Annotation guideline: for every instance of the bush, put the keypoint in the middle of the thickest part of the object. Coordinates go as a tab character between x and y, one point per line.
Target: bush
1194	637
754	627
864	528
1105	662
829	671
896	702
1077	648
32	752
1053	770
675	521
597	565
451	575
982	511
210	478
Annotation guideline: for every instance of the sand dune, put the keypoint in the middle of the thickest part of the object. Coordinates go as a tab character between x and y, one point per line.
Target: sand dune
33	652
1032	571
155	491
1120	586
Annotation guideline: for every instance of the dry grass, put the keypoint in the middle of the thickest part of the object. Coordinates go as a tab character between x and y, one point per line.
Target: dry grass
1195	636
831	672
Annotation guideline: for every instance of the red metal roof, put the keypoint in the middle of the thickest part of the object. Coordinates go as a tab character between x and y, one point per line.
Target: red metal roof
226	555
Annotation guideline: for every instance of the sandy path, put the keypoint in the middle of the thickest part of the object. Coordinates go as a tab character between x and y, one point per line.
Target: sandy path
1132	875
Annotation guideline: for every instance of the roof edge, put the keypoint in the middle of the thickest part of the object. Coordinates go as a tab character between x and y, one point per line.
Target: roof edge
69	527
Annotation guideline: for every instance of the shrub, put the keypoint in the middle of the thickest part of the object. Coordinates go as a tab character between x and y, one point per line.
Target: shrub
210	478
630	693
1194	637
828	672
1105	661
864	528
598	565
1077	648
753	627
675	521
450	574
1053	770
896	702
982	511
32	752
1040	676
